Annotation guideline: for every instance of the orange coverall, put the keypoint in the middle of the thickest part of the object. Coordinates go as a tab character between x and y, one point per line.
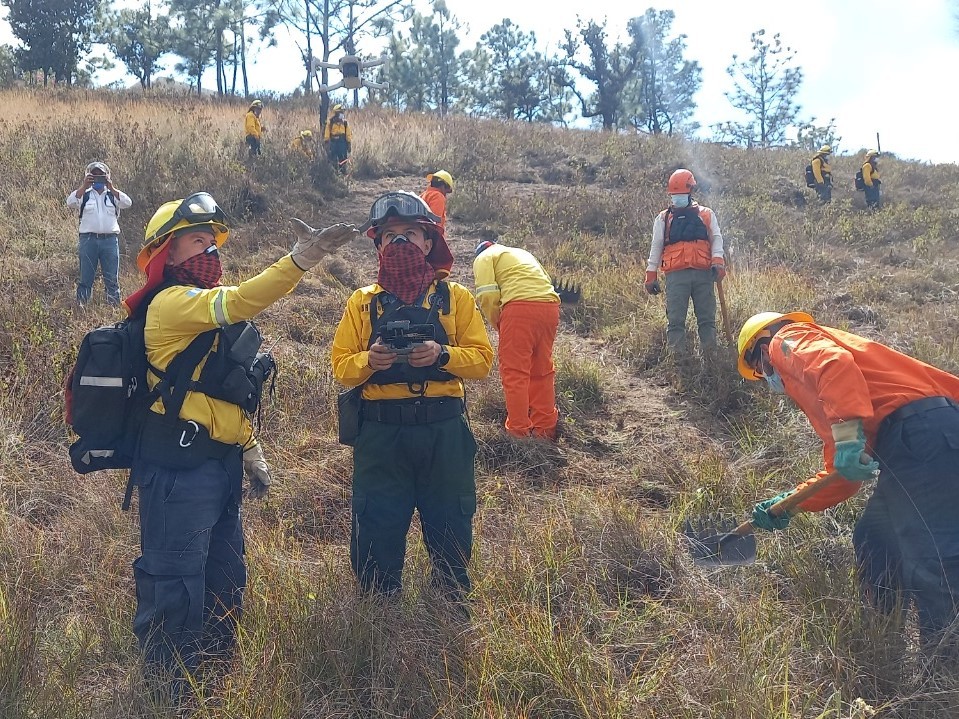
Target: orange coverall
517	297
437	204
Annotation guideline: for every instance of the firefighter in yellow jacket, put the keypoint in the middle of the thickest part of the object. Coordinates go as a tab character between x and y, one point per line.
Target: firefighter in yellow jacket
822	174
410	340
517	297
338	138
253	127
870	180
688	247
197	441
304	144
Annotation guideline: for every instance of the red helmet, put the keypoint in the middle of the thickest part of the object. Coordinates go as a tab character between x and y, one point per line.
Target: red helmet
681	182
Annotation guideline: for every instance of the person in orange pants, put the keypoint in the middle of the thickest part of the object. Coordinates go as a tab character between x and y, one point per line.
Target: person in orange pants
517	297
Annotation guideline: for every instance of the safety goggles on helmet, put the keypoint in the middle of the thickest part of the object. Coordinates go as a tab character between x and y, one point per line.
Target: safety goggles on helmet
198	208
399	205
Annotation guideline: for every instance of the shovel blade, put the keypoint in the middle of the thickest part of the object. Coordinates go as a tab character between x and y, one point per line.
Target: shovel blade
712	545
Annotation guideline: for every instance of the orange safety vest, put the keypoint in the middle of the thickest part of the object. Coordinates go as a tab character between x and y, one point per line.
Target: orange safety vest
686	239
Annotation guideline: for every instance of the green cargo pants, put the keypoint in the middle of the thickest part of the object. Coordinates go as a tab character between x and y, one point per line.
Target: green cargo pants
681	286
398	468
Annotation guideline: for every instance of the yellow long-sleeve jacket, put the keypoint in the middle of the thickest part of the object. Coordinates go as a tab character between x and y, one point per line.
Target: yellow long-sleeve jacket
338	128
252	125
504	274
821	169
304	147
471	355
178	314
870	173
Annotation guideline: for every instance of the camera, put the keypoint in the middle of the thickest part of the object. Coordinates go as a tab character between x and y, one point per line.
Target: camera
402	337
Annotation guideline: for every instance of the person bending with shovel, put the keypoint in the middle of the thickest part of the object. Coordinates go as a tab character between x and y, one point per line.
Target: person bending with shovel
881	412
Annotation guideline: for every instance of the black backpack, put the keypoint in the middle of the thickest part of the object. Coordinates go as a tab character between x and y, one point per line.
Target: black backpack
810	177
107	395
860	183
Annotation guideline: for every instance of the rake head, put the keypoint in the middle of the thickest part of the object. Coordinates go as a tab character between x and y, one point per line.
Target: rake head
569	292
714	541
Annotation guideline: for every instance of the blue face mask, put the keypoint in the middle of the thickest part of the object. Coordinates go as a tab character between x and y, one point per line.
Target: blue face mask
679	200
99	186
775	383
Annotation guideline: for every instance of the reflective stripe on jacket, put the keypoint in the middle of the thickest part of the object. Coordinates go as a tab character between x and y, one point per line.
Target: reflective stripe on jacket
504	274
836	376
178	314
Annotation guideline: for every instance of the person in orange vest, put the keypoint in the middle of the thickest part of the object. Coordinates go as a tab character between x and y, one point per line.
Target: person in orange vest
688	247
878	413
441	185
517	297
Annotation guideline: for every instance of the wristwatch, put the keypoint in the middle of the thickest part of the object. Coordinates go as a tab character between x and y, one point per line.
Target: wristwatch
444	357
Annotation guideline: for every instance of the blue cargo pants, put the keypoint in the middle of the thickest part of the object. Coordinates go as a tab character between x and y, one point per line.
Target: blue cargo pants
191	573
907	539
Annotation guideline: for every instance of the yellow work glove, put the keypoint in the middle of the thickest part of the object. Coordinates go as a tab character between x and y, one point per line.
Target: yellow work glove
257	472
313	245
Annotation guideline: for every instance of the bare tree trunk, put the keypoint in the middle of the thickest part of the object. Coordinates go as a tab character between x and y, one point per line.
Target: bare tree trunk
246	80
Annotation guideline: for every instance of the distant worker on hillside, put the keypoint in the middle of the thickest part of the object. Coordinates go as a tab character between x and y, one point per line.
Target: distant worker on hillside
410	340
877	412
688	246
821	174
98	203
304	144
868	180
440	185
517	297
338	138
254	128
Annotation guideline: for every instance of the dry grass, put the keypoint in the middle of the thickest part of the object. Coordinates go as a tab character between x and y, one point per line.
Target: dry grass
585	603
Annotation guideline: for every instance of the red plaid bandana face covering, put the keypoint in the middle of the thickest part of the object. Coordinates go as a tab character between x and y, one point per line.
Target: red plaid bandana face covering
203	270
404	271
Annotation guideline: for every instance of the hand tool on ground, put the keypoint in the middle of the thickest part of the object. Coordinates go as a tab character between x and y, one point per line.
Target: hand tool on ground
727	325
569	292
719	542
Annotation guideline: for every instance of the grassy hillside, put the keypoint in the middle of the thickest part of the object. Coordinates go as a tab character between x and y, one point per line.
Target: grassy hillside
586	603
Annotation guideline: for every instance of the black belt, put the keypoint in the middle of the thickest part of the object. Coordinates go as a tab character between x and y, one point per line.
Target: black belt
420	411
917	406
100	235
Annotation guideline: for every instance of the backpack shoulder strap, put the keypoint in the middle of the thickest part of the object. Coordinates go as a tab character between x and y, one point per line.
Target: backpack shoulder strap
181	371
84	201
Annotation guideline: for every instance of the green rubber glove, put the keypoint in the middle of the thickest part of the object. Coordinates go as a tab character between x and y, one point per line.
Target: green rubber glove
850	442
762	519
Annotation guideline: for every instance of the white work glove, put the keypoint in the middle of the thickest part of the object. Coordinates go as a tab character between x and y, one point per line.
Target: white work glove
313	245
257	472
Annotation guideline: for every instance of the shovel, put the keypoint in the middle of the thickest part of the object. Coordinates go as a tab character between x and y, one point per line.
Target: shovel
719	542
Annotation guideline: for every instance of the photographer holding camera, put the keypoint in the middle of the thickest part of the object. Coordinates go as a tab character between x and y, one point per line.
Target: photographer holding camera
410	340
197	441
98	203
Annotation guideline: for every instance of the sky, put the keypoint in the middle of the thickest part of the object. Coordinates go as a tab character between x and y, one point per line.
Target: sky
874	65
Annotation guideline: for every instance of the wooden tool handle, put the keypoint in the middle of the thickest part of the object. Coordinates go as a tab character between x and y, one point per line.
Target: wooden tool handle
789	503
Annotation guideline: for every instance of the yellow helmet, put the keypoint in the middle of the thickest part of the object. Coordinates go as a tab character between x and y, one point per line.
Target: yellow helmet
306	134
825	150
256	103
755	329
872	153
442	175
336	108
197	210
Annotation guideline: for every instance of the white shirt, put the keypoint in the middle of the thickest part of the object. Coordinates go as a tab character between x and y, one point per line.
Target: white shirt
659	238
100	213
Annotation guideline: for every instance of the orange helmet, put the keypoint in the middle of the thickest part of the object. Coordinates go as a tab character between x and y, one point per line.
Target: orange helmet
681	182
